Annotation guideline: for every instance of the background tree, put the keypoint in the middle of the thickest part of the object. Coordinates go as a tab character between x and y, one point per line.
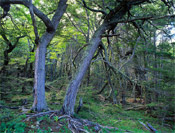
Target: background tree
111	19
41	42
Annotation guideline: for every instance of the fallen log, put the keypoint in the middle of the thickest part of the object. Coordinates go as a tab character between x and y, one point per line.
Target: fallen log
139	107
151	127
1	106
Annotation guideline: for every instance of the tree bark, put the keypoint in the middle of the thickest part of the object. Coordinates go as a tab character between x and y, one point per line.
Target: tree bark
70	98
39	103
110	21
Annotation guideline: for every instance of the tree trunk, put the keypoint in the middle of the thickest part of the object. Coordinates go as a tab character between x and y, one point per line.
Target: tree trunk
70	98
6	62
39	103
110	21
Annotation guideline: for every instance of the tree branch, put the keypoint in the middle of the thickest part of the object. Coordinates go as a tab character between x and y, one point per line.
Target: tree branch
144	18
17	40
6	39
59	13
41	15
110	35
131	55
78	53
78	29
93	10
34	23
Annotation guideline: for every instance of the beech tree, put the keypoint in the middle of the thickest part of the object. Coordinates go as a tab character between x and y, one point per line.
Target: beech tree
39	103
112	15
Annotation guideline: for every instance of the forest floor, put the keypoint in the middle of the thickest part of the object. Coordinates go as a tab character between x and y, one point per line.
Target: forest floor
110	118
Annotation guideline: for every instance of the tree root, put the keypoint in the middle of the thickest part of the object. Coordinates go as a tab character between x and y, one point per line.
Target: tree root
75	125
40	114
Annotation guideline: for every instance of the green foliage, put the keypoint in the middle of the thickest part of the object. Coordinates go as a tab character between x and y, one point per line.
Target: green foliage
14	125
75	27
56	118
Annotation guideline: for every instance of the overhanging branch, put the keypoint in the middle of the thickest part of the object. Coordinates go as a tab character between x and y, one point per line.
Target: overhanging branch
93	10
37	12
110	35
34	23
144	19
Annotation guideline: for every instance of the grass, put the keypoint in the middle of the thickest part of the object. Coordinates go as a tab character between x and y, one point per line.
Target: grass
94	109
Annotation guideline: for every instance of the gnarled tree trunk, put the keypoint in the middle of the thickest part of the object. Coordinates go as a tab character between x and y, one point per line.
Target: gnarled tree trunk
69	102
110	21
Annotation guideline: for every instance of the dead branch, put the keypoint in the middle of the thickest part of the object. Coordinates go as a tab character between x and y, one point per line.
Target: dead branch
144	125
151	127
102	88
139	107
41	114
1	106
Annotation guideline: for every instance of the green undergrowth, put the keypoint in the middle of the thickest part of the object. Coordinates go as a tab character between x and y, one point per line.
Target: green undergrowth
93	109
